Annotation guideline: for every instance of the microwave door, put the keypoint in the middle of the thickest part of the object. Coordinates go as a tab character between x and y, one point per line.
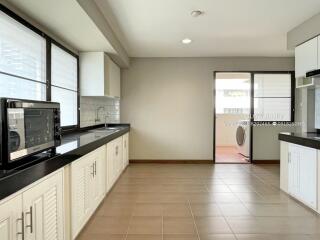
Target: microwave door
39	128
31	131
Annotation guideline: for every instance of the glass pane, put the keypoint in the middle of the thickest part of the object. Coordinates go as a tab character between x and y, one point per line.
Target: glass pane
272	85
232	93
22	51
68	105
39	126
272	109
63	69
14	87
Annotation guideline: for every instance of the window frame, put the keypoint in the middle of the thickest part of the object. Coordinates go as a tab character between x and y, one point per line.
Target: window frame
292	73
50	41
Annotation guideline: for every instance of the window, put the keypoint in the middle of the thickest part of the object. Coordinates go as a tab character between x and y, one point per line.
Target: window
22	61
33	66
273	97
232	93
64	84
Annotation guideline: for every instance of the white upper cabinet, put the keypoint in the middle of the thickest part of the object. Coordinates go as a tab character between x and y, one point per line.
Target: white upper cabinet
99	75
306	57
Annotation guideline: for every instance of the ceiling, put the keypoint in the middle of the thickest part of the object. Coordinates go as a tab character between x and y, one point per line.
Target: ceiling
66	20
153	28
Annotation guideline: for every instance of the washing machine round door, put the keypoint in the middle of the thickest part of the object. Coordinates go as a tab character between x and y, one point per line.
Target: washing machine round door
240	135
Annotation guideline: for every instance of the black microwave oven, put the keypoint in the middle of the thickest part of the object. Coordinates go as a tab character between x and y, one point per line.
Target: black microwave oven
27	128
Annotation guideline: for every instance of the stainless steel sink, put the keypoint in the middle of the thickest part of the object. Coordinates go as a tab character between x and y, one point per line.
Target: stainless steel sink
105	130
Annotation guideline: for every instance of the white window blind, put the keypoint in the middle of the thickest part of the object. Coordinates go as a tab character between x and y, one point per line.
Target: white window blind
22	61
272	97
64	84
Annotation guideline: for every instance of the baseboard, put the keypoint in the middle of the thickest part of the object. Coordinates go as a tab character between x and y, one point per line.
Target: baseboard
188	161
266	161
173	161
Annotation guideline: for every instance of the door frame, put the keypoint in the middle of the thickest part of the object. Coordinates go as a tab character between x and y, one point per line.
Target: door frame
215	115
252	73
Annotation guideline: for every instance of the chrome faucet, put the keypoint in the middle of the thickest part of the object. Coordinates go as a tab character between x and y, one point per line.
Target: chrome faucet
97	119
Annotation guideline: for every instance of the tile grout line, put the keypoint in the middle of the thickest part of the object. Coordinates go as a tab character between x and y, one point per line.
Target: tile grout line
225	219
194	220
162	228
131	215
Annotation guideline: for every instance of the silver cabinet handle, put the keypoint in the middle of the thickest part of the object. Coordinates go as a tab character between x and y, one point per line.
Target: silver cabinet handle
95	168
92	173
116	150
22	226
31	218
289	157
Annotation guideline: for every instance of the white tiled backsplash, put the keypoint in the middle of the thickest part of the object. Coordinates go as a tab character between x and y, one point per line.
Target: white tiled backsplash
89	106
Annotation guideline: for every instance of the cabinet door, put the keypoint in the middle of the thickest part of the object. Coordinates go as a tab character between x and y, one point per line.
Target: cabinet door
119	156
110	164
98	185
43	209
112	78
308	176
11	219
293	170
125	150
81	192
306	57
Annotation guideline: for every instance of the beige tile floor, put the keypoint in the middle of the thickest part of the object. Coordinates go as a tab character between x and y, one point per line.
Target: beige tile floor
200	202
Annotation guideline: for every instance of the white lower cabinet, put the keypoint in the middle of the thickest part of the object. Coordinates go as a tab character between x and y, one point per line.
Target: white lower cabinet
11	219
114	161
302	174
125	147
41	211
36	213
87	187
118	157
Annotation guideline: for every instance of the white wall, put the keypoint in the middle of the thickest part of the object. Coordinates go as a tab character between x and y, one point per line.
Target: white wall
169	103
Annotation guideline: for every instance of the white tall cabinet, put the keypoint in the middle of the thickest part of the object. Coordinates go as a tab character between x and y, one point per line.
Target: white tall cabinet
35	213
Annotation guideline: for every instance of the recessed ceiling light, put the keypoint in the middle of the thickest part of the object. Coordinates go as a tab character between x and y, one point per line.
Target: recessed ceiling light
186	41
196	13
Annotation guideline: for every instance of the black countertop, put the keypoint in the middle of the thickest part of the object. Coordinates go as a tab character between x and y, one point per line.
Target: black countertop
73	146
305	139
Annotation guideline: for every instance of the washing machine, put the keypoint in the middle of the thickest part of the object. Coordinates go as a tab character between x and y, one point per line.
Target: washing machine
243	138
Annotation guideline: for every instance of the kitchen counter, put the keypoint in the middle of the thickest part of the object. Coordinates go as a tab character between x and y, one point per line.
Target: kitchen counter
305	139
73	147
